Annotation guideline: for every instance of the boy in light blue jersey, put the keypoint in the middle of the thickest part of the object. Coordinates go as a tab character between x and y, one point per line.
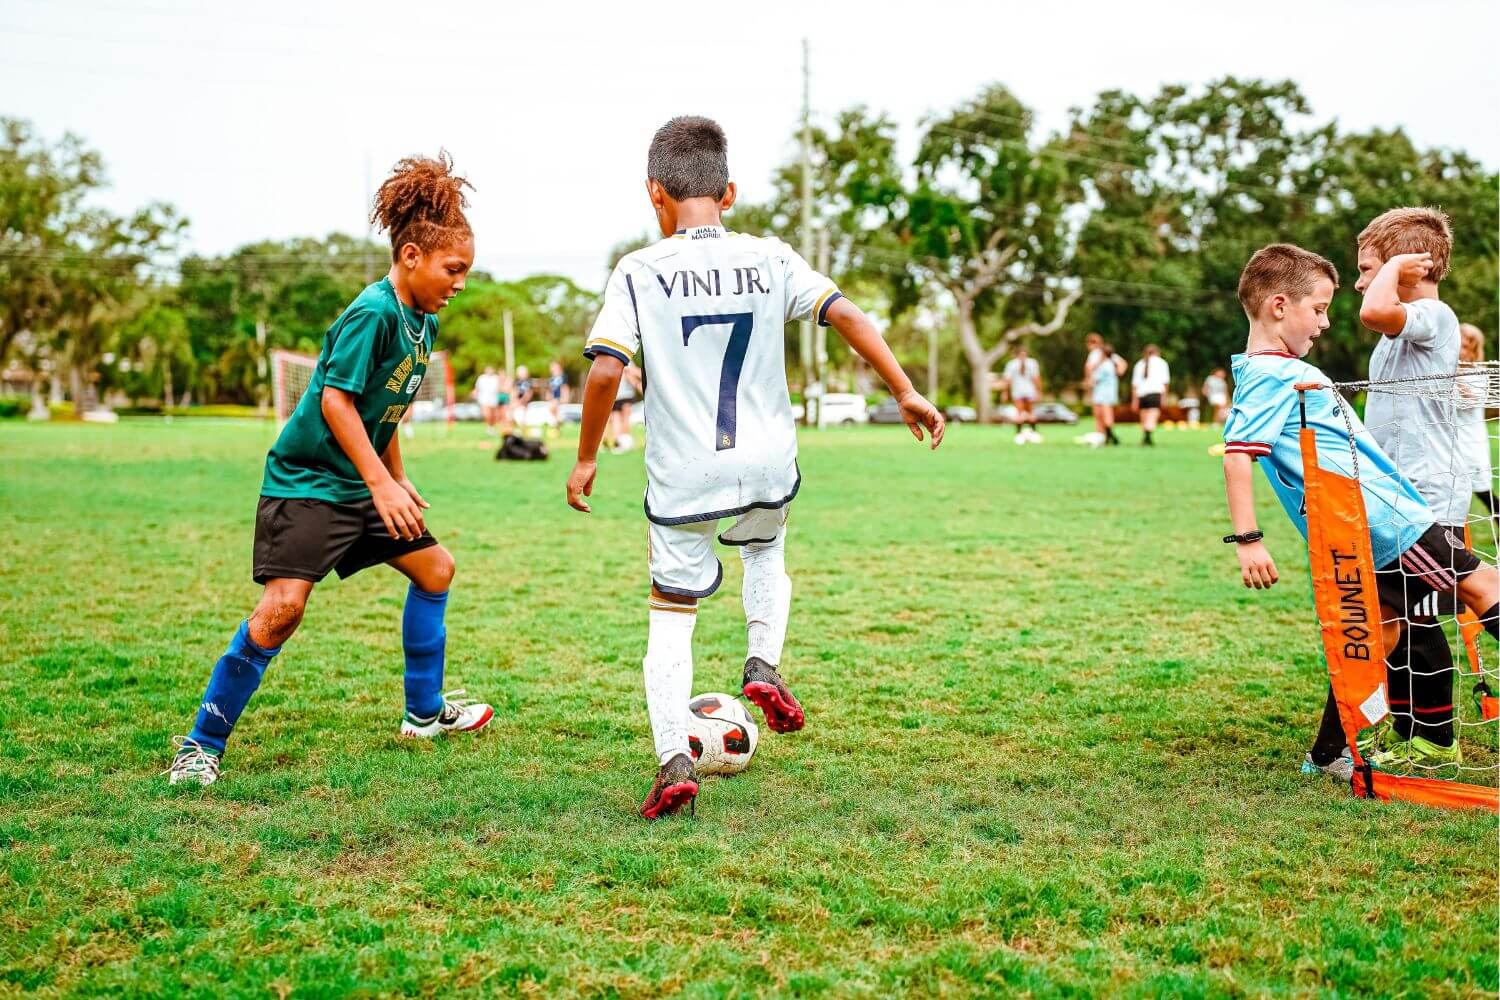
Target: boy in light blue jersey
1286	292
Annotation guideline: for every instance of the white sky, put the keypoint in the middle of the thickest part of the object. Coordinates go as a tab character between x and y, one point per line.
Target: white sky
265	120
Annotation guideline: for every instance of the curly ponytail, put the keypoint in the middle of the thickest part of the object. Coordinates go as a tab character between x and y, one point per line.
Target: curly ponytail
423	202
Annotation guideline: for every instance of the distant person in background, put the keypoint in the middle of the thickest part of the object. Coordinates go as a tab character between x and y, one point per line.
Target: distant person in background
521	396
1023	381
1104	392
502	405
557	393
1474	442
1147	386
1216	393
487	395
619	418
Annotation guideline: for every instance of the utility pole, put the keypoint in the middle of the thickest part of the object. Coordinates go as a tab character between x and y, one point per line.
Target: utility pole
932	362
820	349
510	347
805	341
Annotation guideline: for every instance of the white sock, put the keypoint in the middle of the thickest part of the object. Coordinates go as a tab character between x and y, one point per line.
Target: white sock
768	598
669	675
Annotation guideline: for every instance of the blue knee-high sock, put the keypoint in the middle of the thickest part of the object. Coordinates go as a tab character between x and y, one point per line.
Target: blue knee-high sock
234	680
423	638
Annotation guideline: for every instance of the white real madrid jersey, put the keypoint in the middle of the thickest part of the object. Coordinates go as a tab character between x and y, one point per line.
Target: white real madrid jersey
706	309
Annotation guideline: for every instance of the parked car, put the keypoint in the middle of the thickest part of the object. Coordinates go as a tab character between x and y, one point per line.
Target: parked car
961	414
1045	413
885	412
539	414
843	409
426	411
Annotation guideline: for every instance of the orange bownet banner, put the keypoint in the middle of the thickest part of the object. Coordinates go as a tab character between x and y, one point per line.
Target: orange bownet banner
1343	574
1349	616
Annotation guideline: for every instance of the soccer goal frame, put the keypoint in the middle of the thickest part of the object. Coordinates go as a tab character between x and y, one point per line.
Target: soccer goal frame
291	373
1349	613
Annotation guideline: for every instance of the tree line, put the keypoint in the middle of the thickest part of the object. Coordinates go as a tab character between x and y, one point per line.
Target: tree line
1132	220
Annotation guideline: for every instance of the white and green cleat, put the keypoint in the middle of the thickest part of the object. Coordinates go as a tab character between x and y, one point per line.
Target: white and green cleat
193	763
1341	768
459	715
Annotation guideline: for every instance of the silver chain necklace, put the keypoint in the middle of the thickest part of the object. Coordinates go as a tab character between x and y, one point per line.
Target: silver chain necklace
417	337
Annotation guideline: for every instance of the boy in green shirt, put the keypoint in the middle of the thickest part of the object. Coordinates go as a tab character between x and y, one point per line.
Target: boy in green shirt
335	494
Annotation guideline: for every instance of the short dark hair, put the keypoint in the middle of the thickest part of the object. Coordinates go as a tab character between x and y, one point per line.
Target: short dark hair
689	158
1282	268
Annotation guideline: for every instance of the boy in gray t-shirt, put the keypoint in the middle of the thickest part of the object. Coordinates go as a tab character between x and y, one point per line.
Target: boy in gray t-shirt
1403	254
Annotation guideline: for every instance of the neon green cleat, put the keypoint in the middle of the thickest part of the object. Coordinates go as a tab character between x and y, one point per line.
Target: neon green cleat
1417	754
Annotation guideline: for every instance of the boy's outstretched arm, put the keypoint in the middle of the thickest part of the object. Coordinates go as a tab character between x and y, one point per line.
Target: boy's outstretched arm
860	334
1381	309
598	397
1257	568
400	512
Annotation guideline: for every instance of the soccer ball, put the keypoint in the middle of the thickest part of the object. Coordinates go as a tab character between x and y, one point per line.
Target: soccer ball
721	736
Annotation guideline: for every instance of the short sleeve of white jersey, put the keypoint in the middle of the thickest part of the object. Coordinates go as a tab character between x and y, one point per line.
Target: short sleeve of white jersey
617	328
1263	403
1430	323
808	293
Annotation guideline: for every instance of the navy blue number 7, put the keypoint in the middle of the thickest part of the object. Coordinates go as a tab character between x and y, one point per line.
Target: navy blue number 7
740	325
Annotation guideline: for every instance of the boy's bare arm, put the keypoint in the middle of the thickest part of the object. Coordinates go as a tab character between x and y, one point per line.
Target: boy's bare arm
1382	310
1257	568
599	391
860	334
395	505
397	469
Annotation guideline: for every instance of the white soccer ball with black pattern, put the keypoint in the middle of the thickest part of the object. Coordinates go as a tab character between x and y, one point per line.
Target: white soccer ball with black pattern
721	736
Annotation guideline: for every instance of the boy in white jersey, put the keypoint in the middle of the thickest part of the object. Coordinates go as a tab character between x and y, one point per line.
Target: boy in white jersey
708	307
1285	292
1403	254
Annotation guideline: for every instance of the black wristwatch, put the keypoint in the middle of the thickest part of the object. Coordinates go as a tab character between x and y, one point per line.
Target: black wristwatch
1246	538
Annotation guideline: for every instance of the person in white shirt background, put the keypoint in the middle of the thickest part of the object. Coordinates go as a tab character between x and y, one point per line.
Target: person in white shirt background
1148	383
1474	440
487	395
1216	394
1022	379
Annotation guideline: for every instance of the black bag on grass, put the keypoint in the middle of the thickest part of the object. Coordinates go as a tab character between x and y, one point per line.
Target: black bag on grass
520	449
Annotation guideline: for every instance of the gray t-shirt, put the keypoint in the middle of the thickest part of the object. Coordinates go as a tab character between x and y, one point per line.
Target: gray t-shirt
1417	432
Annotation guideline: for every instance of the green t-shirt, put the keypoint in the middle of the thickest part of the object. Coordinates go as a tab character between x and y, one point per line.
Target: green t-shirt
368	353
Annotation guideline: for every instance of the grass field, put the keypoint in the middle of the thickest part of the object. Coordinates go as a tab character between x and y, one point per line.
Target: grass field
1052	747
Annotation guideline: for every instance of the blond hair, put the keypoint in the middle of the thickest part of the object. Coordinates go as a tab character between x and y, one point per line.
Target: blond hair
1471	343
1282	268
1411	230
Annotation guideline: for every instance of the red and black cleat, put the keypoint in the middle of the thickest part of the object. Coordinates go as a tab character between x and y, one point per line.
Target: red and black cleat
765	688
676	785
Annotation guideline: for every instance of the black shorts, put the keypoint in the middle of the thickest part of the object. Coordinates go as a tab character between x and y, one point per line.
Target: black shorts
1151	401
1433	565
620	404
304	539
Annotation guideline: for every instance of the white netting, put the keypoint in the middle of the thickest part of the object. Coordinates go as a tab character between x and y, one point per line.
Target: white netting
432	403
1442	434
290	374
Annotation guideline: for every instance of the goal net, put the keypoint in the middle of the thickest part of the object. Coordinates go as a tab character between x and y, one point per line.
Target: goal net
433	403
1407	657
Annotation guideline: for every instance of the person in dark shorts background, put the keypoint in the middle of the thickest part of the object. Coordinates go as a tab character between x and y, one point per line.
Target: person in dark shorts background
335	496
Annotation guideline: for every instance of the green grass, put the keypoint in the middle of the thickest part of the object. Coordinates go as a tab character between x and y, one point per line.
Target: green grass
1052	747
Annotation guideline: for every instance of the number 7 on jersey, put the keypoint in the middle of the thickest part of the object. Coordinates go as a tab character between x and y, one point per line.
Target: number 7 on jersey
740	325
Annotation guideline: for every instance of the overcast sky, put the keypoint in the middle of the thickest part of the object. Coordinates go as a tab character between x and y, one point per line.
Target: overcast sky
270	120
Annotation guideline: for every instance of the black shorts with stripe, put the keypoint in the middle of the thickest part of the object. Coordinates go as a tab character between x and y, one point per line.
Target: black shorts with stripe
1433	565
303	539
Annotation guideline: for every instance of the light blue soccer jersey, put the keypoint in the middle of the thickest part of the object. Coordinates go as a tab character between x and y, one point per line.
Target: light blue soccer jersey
1263	423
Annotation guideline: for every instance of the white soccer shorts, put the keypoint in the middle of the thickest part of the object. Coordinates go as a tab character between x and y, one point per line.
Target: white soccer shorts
682	555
